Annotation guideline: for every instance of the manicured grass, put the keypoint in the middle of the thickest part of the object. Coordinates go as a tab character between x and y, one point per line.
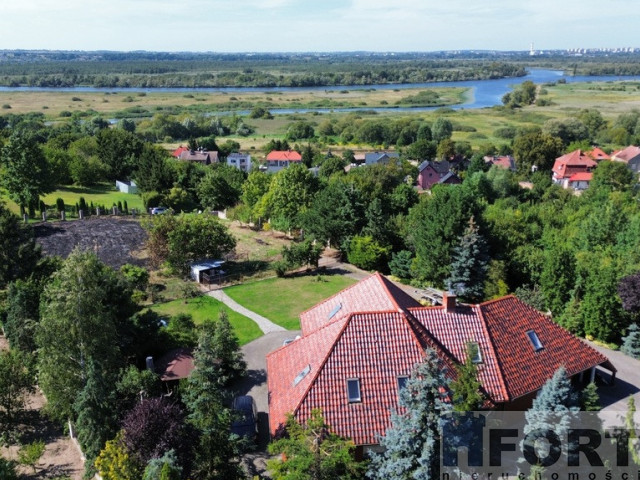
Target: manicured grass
103	194
204	308
281	300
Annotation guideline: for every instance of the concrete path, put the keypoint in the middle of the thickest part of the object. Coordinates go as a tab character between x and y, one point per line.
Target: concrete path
266	325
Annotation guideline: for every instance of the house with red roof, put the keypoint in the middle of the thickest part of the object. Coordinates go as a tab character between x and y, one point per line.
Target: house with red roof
598	154
359	346
279	159
580	181
570	164
506	162
629	156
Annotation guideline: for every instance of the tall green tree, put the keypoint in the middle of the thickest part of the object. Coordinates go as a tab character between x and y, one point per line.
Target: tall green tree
22	314
442	129
216	452
221	187
313	452
227	348
19	253
466	391
25	171
412	442
536	149
85	312
118	150
256	185
469	265
154	171
291	193
16	382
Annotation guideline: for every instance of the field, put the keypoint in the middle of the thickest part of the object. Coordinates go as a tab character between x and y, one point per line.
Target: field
206	308
103	194
117	104
282	300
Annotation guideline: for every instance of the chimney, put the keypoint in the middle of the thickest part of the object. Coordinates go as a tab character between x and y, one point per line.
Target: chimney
150	364
449	301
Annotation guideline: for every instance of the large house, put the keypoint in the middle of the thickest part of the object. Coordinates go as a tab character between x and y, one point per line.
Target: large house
506	162
204	157
279	159
629	156
374	158
241	161
359	346
431	173
571	163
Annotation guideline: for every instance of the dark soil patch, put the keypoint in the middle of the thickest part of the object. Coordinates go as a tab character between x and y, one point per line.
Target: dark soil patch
116	241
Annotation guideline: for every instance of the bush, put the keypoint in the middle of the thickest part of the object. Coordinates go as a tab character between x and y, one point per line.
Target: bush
364	252
280	267
6	106
152	199
505	132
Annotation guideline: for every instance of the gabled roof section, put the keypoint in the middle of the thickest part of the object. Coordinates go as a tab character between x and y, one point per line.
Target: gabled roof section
176	153
284	155
626	154
175	364
576	161
373	294
598	154
524	368
442	167
581	177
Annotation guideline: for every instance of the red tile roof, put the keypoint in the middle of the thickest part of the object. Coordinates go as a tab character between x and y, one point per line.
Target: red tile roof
375	293
581	177
283	155
379	343
176	153
598	154
571	163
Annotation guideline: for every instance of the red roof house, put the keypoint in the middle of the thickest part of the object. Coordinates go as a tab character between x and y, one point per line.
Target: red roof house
569	164
279	159
598	154
359	345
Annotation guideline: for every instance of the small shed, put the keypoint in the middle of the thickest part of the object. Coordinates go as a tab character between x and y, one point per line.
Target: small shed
127	187
175	365
201	271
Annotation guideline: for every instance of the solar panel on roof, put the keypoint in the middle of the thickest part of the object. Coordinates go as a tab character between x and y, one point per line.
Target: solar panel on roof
301	375
335	310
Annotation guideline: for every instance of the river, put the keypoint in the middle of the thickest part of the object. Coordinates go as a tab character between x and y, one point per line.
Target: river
482	93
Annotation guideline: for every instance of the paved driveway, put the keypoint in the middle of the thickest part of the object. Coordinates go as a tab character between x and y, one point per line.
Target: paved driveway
614	398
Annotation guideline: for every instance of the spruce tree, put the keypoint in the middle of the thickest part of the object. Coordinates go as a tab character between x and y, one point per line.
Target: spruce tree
631	343
228	349
205	401
412	443
465	390
469	266
589	399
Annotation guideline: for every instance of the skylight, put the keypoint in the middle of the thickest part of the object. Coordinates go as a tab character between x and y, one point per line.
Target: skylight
335	310
301	375
353	390
475	355
535	341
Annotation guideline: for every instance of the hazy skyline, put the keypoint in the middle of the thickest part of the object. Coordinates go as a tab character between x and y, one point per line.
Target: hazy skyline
319	25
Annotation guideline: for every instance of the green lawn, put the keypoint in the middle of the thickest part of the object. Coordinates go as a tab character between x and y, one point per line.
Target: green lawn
281	300
203	308
103	194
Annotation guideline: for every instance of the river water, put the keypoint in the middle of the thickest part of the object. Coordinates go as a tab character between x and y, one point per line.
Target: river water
483	93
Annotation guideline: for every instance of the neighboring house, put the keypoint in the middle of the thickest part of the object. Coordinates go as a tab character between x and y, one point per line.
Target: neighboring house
430	173
570	164
506	162
373	158
359	346
241	161
630	156
279	159
598	154
204	157
359	158
127	187
580	181
173	366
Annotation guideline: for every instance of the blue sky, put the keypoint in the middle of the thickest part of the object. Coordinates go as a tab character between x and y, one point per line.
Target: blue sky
317	25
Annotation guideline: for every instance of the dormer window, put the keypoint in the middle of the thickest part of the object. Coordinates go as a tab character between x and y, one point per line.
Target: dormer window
535	341
353	390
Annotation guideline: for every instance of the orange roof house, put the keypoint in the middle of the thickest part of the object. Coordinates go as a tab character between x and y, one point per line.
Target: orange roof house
279	159
569	164
358	346
598	154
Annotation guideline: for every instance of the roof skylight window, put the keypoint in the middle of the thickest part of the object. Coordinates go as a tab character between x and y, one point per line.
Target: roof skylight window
301	375
335	310
535	341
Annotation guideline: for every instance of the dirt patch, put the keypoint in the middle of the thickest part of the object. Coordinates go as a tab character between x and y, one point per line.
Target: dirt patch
116	241
61	456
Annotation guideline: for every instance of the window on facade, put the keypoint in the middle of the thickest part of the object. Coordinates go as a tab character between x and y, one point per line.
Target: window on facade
535	341
353	390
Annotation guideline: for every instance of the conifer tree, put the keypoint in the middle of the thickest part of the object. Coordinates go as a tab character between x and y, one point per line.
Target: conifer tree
465	390
631	343
412	443
228	349
469	266
205	401
589	399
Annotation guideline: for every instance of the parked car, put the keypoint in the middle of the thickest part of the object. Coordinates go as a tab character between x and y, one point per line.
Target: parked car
158	210
245	421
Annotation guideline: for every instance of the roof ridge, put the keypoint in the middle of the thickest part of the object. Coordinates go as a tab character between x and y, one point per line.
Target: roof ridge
495	300
414	324
383	281
485	327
